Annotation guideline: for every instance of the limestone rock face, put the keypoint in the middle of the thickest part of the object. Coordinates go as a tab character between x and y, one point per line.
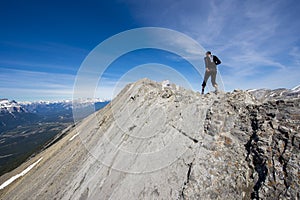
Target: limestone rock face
155	142
253	150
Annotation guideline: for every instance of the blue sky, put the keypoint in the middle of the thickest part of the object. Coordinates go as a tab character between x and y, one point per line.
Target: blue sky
43	43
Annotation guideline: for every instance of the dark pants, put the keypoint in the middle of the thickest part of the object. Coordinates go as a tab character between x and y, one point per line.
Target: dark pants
213	74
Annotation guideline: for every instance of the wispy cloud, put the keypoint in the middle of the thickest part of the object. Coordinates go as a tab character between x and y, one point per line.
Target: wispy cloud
36	65
257	40
295	53
44	56
48	47
43	70
23	84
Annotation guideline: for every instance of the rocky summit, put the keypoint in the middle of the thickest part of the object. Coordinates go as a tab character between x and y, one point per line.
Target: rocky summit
156	141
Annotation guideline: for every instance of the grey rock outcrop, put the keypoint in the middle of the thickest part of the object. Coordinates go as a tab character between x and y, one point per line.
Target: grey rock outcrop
153	142
254	150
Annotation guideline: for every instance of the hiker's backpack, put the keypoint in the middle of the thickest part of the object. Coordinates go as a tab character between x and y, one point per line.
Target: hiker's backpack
216	60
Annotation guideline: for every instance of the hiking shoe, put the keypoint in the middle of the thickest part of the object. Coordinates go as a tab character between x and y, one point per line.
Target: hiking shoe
216	88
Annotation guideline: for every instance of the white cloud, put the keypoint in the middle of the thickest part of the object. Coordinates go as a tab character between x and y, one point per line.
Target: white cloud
36	65
295	53
49	47
31	85
249	36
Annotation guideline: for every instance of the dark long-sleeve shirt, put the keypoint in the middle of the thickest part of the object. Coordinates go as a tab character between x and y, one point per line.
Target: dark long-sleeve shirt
211	65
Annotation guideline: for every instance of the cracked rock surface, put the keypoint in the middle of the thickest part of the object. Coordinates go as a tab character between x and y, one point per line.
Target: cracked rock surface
153	142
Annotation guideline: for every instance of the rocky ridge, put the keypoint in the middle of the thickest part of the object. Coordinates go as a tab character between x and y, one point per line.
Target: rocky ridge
156	142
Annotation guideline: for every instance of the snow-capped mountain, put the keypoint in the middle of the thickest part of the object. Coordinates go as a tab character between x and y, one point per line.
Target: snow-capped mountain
66	101
296	89
281	93
7	106
14	114
11	106
58	106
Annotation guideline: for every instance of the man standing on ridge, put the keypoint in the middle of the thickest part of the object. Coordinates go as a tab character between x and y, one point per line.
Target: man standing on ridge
211	62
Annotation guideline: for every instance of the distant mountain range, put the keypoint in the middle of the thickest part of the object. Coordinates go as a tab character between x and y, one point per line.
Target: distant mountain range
43	106
26	127
281	93
7	106
13	114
